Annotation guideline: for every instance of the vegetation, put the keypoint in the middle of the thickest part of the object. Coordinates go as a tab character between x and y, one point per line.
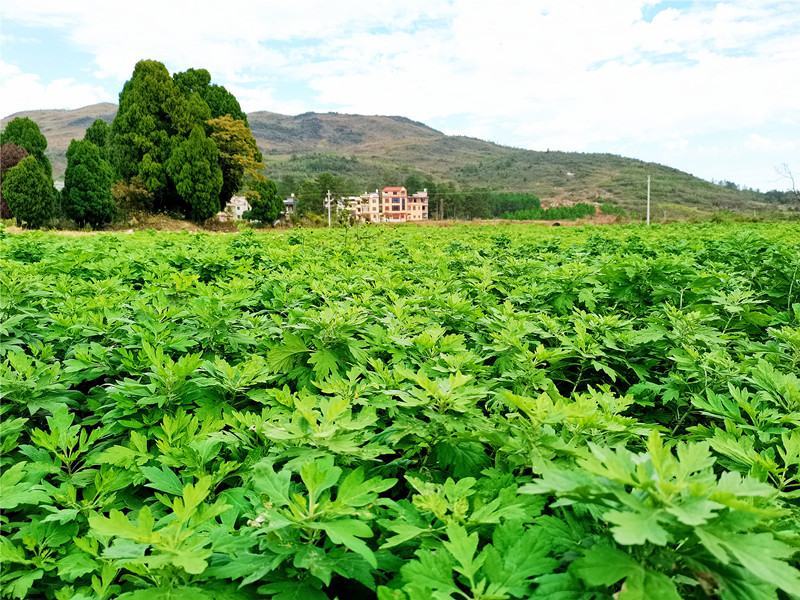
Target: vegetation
373	151
194	168
265	202
575	211
402	413
163	122
238	154
86	197
10	156
25	133
97	133
30	195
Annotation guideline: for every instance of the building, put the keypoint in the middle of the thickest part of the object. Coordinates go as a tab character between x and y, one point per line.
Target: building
366	207
289	206
394	202
234	209
418	206
390	205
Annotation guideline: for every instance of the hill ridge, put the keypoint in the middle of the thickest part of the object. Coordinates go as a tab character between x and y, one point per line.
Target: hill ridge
373	150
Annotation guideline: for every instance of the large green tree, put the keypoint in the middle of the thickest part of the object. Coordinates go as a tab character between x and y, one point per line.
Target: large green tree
158	112
141	137
24	132
194	169
10	156
29	192
86	197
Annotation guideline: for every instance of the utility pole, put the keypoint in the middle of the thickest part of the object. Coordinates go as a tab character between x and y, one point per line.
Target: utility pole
328	197
648	199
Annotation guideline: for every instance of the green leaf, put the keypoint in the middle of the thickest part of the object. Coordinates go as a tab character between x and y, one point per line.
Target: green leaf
604	566
189	562
324	362
163	480
648	585
75	565
319	475
274	485
355	491
463	547
347	532
633	528
760	553
15	492
21	585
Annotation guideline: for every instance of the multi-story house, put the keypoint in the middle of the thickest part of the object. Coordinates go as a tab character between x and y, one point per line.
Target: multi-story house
394	204
418	206
390	205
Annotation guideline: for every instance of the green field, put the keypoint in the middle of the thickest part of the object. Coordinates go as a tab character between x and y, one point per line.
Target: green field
410	413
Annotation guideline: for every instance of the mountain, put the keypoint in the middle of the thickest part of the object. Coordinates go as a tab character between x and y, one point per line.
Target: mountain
371	151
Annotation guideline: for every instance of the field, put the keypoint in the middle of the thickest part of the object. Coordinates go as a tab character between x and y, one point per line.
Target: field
470	412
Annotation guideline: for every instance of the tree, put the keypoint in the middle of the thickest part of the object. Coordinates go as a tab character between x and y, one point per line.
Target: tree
29	192
194	168
140	140
266	204
311	195
97	133
24	132
238	153
86	197
785	172
219	100
10	156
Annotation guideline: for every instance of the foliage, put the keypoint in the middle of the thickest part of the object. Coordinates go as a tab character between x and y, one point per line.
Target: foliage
312	193
10	156
470	412
574	211
24	132
219	100
238	154
140	140
131	196
157	115
194	168
98	133
266	204
30	195
86	197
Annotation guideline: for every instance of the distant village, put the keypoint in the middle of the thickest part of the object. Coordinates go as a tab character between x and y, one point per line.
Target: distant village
392	204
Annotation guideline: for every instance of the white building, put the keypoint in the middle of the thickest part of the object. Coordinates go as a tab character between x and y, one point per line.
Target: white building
234	209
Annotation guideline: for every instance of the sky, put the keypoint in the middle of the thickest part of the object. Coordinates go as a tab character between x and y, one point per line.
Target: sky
712	88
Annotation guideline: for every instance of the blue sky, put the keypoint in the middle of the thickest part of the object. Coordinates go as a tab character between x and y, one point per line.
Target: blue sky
704	86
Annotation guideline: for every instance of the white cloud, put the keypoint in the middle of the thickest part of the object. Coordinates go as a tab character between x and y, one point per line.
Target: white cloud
566	74
25	91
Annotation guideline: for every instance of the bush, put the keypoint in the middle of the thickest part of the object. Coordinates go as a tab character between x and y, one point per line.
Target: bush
30	194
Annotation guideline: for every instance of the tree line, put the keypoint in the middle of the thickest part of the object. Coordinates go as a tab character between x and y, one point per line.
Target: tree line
178	144
446	200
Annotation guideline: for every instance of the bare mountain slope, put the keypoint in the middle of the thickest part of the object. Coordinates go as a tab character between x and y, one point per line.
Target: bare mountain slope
375	150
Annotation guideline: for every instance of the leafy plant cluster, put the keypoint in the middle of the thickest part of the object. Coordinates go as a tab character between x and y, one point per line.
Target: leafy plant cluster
463	413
